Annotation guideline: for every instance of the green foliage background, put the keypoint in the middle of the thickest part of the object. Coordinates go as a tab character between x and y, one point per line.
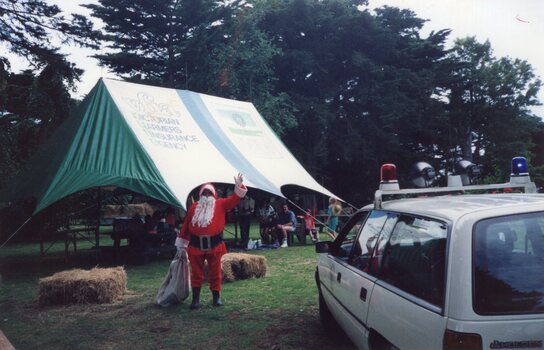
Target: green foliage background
345	88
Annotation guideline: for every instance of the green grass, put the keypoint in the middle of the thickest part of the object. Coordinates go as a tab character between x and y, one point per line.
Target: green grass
279	311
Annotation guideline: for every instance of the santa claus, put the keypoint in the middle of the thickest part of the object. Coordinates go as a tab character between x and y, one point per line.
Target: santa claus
202	236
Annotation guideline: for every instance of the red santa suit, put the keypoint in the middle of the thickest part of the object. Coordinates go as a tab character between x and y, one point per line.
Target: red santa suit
206	243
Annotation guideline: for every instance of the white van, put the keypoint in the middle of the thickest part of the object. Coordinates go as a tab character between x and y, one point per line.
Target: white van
447	272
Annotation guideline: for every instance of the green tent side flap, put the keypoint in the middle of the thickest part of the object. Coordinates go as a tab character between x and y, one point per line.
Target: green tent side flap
94	148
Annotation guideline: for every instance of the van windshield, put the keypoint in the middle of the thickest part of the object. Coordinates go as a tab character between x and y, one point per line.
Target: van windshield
508	264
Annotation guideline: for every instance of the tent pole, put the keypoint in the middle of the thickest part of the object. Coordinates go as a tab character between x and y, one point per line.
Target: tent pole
42	239
235	228
97	231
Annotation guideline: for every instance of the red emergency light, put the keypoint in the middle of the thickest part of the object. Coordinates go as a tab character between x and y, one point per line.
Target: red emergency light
388	177
388	173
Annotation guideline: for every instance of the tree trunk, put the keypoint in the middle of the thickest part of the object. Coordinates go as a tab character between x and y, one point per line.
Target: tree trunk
467	145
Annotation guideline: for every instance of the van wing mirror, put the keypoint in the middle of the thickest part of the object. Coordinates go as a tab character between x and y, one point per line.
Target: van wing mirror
322	247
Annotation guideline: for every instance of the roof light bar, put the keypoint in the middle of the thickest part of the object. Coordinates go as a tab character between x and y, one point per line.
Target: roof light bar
519	180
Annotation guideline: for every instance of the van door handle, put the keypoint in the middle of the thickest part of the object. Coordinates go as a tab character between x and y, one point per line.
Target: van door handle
339	277
362	295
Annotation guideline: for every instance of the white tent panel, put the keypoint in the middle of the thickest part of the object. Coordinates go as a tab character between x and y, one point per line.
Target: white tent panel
246	129
182	153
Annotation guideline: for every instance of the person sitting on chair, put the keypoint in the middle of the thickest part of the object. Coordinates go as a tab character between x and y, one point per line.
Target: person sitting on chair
287	222
171	217
165	232
152	222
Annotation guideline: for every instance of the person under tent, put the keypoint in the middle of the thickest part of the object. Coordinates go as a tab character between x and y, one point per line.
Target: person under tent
267	220
309	225
287	222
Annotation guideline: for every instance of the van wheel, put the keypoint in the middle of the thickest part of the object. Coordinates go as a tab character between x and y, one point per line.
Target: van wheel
326	317
377	342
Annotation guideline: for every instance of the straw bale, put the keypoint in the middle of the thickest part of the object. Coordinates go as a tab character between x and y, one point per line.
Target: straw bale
127	210
98	285
240	266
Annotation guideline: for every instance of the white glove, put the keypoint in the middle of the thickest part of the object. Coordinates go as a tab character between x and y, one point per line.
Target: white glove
239	187
181	243
238	180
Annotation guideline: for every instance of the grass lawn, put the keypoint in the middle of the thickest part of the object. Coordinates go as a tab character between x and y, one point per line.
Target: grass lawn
279	311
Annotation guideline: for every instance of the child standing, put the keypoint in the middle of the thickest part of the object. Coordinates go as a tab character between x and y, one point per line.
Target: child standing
309	223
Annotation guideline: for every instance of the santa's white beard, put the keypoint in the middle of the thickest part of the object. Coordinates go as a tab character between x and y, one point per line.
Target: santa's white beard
204	211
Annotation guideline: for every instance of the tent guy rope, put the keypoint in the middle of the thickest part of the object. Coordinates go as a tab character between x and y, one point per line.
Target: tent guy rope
14	233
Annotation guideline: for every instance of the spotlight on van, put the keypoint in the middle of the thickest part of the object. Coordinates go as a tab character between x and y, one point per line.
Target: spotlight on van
468	171
422	174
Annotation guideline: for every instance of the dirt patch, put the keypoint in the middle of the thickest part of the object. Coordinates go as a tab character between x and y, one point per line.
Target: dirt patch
233	315
160	329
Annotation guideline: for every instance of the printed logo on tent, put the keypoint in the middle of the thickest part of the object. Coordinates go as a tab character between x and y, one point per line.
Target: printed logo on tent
160	122
244	130
240	122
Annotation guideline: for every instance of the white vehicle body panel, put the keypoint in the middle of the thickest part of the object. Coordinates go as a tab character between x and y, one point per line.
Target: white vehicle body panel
353	328
411	323
390	312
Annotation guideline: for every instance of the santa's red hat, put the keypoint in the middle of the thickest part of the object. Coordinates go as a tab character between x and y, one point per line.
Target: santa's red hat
207	186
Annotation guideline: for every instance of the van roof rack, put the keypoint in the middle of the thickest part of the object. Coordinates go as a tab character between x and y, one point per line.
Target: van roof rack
528	187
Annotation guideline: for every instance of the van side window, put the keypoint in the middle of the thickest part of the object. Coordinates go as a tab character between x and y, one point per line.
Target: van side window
508	260
345	243
379	248
414	258
367	240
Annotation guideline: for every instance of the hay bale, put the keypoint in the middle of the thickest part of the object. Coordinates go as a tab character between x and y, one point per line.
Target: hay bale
127	210
83	286
240	266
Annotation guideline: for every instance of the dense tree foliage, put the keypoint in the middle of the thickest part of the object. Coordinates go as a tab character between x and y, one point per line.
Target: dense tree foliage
347	89
34	102
26	25
205	46
32	107
488	116
362	85
145	38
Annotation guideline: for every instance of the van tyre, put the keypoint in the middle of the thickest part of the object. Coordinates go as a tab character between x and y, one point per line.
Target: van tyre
326	317
377	342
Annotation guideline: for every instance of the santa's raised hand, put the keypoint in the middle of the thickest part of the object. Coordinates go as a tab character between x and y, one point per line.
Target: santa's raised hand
239	187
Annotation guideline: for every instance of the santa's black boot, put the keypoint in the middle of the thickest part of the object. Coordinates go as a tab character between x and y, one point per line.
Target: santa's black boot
216	298
195	304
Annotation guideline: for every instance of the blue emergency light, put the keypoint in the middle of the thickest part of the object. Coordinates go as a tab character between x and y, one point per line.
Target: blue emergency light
519	166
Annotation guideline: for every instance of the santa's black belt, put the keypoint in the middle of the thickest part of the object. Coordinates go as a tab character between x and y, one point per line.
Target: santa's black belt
206	242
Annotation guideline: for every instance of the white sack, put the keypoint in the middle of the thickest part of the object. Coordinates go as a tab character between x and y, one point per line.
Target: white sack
176	285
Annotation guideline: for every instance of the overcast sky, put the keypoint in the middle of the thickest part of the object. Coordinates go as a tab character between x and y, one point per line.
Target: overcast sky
515	28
